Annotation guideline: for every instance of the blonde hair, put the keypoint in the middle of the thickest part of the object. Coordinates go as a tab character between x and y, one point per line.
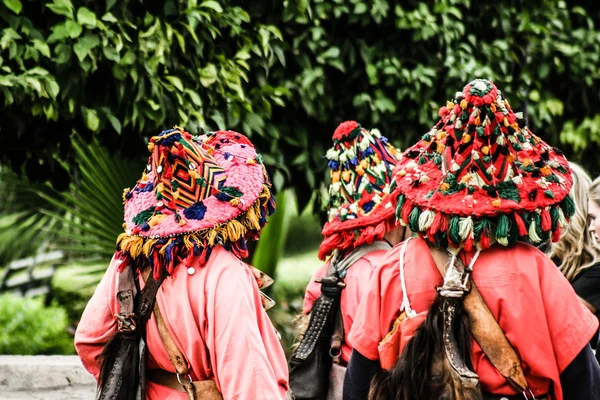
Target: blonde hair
577	248
594	191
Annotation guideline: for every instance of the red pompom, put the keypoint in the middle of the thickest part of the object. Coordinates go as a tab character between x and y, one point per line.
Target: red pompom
344	129
484	241
556	234
522	229
546	221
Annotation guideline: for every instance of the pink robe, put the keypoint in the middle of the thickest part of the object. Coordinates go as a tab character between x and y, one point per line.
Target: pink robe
532	301
357	281
215	316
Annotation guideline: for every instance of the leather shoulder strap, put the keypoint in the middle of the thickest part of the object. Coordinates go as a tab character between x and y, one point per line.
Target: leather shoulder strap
486	330
175	355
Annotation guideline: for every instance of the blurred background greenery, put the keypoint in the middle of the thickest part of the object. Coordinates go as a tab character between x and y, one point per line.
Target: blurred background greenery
84	83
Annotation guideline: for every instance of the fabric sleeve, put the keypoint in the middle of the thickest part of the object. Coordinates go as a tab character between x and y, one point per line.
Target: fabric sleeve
366	333
97	324
571	324
241	367
588	286
313	290
358	378
581	379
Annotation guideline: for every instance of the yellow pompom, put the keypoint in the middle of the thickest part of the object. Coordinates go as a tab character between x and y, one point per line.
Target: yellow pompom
150	147
463	104
440	147
335	176
444	186
485	150
466	138
176	195
402	172
364	164
449	105
194	174
234	202
250	161
346	176
182	222
497	202
359	170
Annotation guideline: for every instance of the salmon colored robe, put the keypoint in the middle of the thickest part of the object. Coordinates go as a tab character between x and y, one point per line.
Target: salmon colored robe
534	304
356	281
215	316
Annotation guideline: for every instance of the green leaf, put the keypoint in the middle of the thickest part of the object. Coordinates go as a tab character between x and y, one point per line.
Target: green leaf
13	5
86	17
111	53
52	88
116	124
208	75
61	7
91	119
108	17
84	45
175	81
42	47
213	5
73	29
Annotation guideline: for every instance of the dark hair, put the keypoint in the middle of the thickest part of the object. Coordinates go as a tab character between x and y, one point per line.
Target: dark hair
421	371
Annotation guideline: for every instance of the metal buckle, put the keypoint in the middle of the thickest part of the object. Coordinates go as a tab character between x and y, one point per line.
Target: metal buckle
181	383
338	353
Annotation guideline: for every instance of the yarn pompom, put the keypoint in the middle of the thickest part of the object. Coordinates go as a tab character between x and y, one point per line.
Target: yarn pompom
345	129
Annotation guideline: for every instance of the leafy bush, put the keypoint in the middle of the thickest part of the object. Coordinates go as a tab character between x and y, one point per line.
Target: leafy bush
29	328
285	72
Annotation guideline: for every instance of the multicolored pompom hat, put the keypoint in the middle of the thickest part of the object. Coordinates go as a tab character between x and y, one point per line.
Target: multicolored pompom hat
480	176
195	193
360	208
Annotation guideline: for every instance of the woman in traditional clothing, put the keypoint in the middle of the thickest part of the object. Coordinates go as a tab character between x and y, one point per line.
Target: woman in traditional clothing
361	228
187	220
472	187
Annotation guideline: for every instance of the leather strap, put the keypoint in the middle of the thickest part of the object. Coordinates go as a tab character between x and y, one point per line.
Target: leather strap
486	330
175	355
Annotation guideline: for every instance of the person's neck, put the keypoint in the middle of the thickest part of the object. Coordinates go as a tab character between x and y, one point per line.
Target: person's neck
394	236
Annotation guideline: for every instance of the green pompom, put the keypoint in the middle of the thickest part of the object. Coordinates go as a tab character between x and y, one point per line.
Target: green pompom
426	137
568	206
482	226
413	219
422	160
555	215
549	193
454	230
437	159
504	226
480	131
401	200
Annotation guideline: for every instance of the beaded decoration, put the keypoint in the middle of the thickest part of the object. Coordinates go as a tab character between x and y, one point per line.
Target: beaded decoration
480	176
361	163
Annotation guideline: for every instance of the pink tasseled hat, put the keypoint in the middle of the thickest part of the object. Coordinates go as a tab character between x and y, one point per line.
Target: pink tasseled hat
195	193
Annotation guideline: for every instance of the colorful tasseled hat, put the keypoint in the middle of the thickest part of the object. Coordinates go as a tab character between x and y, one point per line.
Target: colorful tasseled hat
360	208
480	176
195	193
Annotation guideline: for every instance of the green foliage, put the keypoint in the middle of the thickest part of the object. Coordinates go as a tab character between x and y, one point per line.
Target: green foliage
22	228
91	212
285	72
30	328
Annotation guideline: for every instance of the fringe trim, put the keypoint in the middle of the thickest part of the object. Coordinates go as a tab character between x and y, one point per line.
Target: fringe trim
352	238
445	230
166	252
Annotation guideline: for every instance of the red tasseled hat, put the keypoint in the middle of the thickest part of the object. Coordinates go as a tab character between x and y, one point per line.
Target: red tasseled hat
481	176
360	208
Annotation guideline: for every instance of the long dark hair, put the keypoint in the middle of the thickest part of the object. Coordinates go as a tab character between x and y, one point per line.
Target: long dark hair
419	373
